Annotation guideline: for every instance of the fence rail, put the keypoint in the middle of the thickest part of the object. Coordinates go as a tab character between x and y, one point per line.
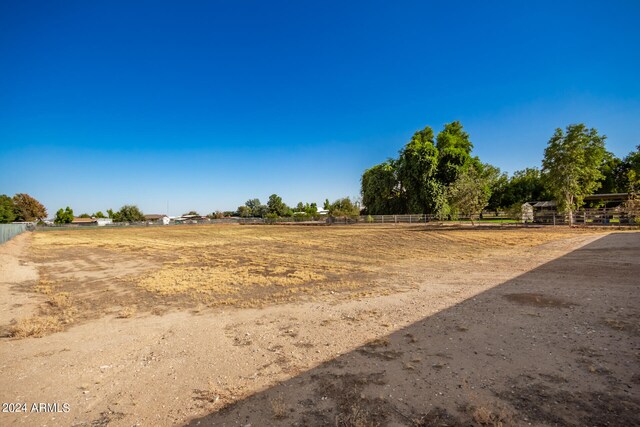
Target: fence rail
601	216
9	231
606	217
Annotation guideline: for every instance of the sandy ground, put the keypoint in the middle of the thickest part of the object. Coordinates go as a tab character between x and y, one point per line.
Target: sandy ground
544	334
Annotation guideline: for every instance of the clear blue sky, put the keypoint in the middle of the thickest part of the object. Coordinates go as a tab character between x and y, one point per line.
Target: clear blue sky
206	104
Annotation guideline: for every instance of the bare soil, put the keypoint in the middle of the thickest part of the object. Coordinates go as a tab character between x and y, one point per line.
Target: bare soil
342	326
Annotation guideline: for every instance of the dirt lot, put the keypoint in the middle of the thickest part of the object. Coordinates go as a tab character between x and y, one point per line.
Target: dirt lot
347	326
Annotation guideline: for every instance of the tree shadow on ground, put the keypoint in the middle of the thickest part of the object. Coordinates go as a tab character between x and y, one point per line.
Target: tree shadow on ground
558	345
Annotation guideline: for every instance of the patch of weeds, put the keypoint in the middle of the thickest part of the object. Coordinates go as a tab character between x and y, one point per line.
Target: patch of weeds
106	418
437	417
353	407
44	287
543	404
278	408
491	417
356	416
126	312
36	326
60	300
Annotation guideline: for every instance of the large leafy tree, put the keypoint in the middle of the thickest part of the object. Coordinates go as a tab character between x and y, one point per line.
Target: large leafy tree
417	169
27	208
277	206
7	209
524	186
381	190
252	205
454	149
499	188
571	165
470	192
244	211
254	208
127	213
629	172
64	216
611	177
344	207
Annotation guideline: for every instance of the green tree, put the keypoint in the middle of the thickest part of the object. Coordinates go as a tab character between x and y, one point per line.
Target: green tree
498	192
192	213
27	208
253	205
524	186
7	209
417	173
244	211
571	165
327	205
85	215
277	206
128	213
344	207
610	170
99	214
470	193
381	190
64	216
629	172
454	149
260	211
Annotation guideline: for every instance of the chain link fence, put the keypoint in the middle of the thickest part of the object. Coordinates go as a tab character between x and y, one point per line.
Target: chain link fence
9	231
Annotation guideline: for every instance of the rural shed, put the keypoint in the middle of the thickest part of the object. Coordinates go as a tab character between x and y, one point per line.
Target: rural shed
103	221
157	218
526	212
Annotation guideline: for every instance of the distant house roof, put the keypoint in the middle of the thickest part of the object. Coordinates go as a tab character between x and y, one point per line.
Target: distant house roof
152	217
546	204
83	220
608	196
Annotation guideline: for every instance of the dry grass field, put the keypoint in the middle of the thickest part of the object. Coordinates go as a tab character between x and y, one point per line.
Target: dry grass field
87	273
343	325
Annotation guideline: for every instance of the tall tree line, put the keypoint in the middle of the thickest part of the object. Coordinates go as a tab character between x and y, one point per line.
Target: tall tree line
440	176
428	176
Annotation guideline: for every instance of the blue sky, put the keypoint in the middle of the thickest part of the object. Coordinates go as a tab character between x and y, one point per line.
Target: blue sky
205	104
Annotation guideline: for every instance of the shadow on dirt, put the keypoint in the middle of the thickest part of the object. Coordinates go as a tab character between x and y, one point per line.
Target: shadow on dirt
558	345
